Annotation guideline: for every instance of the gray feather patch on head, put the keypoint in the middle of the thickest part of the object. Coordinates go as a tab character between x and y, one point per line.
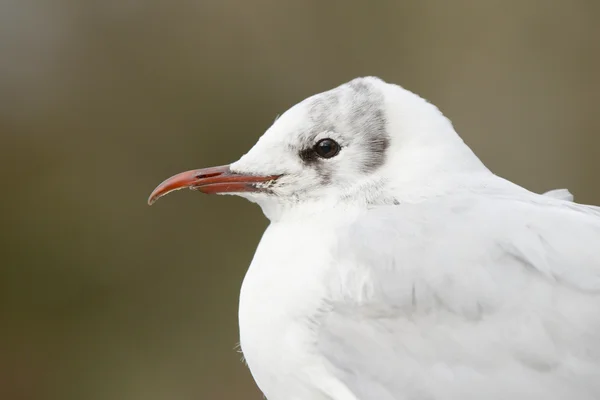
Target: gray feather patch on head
367	118
356	111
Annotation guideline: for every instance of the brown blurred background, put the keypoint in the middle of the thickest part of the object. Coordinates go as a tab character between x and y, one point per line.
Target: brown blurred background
102	297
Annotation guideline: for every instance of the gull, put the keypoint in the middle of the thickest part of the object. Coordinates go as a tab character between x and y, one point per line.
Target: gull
396	266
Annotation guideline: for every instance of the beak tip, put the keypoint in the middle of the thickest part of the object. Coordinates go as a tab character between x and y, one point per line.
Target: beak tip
153	197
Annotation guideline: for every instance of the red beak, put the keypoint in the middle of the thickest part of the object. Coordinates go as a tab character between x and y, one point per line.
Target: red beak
211	180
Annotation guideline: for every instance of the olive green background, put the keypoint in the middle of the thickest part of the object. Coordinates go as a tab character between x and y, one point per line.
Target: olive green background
103	297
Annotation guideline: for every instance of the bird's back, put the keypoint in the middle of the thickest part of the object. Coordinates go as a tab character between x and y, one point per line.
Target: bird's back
489	295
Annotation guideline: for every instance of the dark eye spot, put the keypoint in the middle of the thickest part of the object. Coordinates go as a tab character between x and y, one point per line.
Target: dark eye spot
327	148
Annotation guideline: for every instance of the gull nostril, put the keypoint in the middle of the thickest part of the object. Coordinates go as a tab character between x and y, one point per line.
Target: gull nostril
208	175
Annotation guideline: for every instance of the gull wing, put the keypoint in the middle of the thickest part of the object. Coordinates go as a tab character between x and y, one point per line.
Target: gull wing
467	298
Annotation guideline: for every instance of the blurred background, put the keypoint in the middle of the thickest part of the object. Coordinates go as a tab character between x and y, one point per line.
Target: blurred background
102	297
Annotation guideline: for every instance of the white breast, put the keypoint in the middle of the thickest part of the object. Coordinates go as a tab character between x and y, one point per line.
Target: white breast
280	298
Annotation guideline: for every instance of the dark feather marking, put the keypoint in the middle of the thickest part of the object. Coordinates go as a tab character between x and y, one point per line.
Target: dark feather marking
308	156
363	125
323	116
368	118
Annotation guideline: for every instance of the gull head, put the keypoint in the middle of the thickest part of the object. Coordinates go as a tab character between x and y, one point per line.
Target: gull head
363	143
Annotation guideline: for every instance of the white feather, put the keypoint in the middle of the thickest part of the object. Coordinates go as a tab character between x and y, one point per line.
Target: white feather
562	194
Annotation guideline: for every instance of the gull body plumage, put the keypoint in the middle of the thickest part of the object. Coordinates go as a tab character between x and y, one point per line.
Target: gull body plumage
401	268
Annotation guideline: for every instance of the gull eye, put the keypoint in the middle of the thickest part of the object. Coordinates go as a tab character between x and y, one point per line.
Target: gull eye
327	148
